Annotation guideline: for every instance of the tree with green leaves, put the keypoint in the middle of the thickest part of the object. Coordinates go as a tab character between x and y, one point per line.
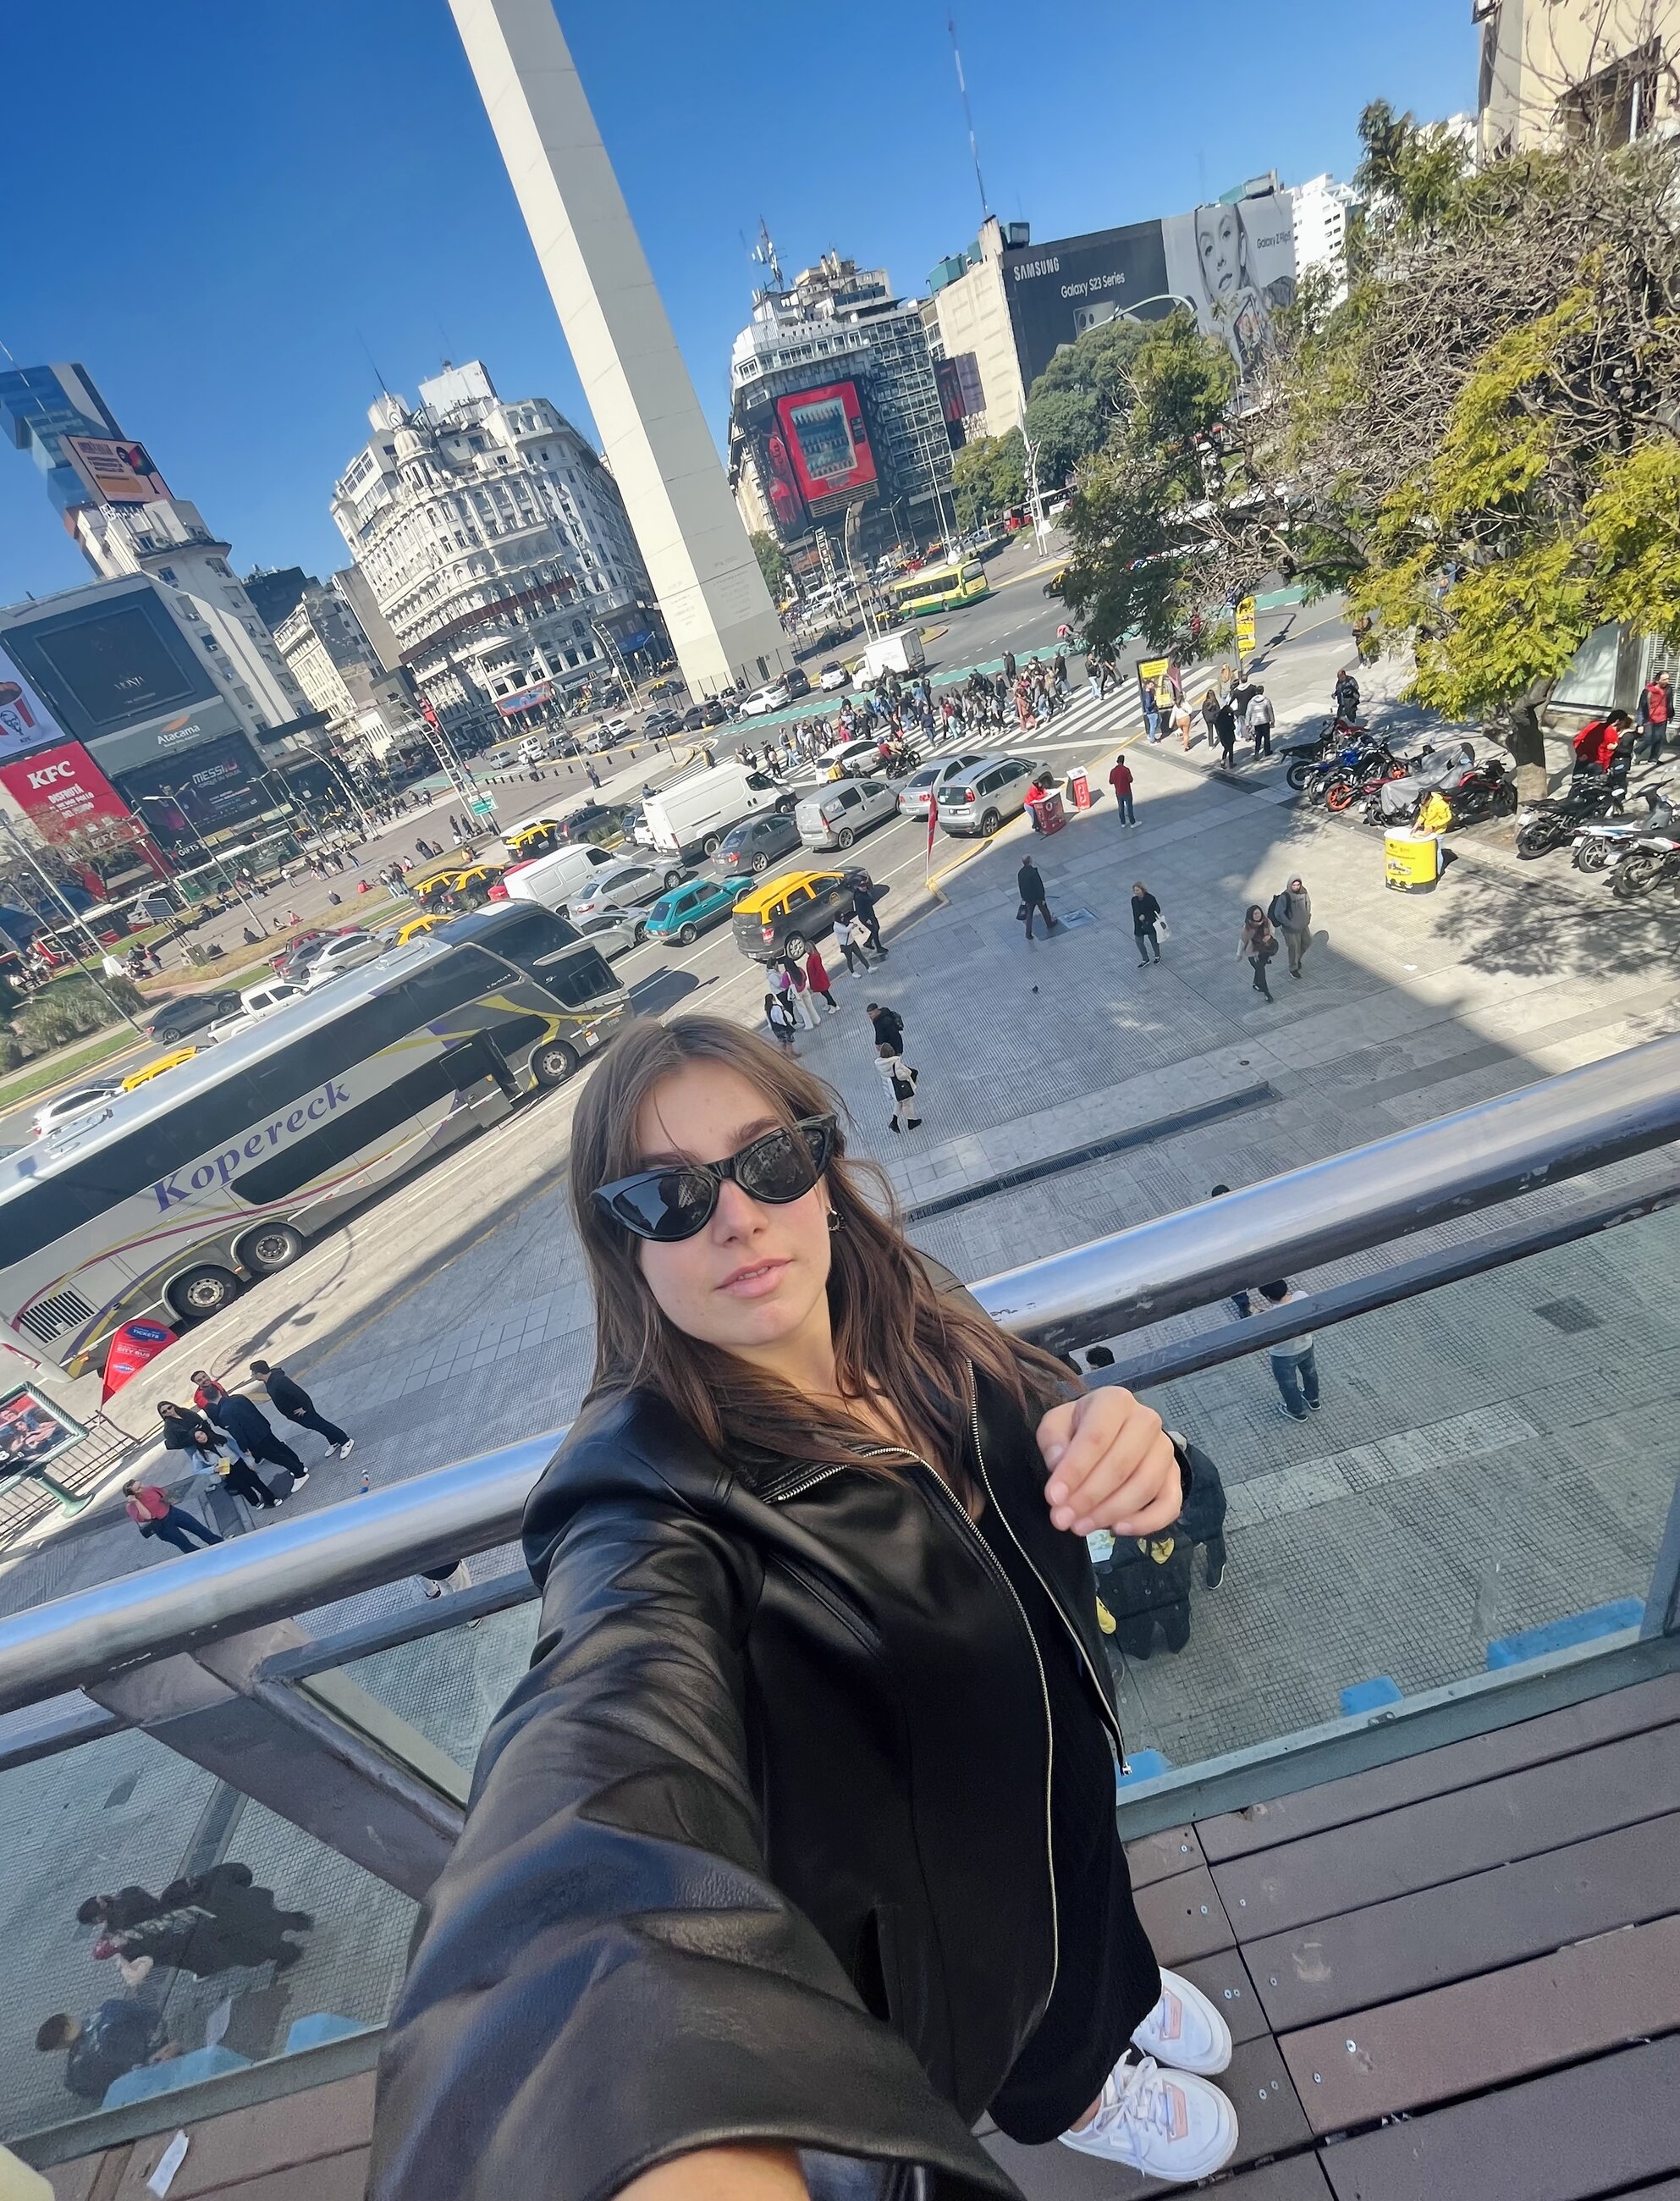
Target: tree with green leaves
1081	399
772	563
988	478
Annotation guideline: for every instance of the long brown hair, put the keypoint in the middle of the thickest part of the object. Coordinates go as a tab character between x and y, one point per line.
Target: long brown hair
894	1333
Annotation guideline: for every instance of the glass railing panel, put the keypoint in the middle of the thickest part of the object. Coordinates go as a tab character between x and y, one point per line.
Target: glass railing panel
450	1686
1485	1479
237	1938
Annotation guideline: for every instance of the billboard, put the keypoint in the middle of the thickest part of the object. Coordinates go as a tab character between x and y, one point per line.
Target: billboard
114	472
776	476
1057	291
26	722
108	664
829	444
60	789
210	789
1236	263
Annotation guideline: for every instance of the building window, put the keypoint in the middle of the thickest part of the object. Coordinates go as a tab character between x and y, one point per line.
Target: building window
166	573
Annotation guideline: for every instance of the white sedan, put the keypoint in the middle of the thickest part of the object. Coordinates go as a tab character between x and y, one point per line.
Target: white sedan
770	697
79	1100
345	952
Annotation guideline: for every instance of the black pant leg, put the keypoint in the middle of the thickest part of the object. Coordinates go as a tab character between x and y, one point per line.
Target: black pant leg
168	1532
311	1419
280	1453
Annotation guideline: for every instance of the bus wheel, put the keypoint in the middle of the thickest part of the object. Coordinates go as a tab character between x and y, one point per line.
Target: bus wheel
552	1064
275	1247
198	1293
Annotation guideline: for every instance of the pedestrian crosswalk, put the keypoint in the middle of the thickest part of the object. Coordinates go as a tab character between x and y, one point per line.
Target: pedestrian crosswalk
1089	720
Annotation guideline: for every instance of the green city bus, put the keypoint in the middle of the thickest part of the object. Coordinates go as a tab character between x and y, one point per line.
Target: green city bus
939	588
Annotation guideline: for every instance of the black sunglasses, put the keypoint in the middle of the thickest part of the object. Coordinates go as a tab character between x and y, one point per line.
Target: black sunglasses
678	1201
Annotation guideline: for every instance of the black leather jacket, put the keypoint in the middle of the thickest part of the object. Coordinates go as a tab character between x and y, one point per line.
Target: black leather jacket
758	1848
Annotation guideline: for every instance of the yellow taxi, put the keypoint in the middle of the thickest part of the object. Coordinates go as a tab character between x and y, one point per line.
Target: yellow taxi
533	836
136	1078
416	926
787	915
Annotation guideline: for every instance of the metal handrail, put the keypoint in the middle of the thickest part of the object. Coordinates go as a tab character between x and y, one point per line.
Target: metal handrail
1583	1119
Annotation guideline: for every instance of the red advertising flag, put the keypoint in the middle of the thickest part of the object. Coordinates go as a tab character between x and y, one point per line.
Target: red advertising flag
132	1347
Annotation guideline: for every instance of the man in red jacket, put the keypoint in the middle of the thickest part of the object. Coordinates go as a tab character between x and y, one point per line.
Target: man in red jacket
1120	780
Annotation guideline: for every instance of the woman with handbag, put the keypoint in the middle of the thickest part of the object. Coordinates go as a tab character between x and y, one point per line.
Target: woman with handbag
795	1852
1259	945
902	1083
150	1511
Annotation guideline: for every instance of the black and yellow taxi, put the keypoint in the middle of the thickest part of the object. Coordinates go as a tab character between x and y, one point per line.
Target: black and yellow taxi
787	915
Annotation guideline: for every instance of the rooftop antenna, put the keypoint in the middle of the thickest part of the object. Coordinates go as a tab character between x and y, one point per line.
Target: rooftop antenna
968	116
374	363
764	253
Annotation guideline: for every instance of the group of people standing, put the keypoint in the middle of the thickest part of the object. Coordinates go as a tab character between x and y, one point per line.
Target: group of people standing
1288	917
224	1437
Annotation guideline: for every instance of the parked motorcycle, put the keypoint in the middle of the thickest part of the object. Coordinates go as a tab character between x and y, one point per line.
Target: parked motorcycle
1305	757
1546	824
1485	791
1601	843
1396	802
1652	861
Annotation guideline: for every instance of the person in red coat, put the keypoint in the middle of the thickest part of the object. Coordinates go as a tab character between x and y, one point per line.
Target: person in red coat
1120	780
817	978
1596	744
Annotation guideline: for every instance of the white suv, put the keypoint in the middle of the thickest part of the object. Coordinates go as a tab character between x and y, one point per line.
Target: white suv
986	796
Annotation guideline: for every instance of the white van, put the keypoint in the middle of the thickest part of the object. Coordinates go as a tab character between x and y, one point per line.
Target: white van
690	816
554	880
257	1001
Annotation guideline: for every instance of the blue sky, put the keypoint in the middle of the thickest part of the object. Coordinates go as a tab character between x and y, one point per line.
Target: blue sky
227	212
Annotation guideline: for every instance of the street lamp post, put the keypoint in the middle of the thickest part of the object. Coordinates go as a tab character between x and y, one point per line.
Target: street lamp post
169	797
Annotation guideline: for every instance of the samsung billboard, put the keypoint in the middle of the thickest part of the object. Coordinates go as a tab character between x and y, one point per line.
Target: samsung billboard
1057	291
109	663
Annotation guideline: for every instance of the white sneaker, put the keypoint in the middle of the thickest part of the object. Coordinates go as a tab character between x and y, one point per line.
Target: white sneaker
1166	2124
345	1448
1184	2029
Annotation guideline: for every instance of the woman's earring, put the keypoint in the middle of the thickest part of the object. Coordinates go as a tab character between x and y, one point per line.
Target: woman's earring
833	1218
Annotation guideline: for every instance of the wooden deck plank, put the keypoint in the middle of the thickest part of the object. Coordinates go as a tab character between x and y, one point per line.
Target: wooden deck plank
1418	1846
1485	2032
1224	1979
1184	1917
1269	2118
249	2144
1434	1772
1476	1924
1595	2129
1157	1856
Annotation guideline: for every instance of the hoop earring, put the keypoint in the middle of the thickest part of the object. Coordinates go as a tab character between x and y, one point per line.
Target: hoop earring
834	1220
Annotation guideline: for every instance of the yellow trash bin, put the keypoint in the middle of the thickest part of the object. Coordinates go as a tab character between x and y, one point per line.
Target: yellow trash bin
1411	861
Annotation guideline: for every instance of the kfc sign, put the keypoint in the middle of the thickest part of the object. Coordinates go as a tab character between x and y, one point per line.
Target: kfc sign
60	790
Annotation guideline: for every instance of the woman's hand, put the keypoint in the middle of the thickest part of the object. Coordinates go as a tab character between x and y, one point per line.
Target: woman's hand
1111	1465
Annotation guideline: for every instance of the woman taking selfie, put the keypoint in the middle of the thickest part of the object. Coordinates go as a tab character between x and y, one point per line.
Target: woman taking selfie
795	1853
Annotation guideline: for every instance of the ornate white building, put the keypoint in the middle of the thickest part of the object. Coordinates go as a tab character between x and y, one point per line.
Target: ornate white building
495	544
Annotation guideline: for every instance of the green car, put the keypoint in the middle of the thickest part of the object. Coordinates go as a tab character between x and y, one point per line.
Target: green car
686	911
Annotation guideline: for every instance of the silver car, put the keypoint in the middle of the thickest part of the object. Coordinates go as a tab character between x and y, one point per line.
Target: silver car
613	935
835	815
346	951
619	887
986	796
77	1102
922	787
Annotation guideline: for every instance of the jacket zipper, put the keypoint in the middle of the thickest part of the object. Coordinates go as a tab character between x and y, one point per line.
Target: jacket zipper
991	1559
1109	1719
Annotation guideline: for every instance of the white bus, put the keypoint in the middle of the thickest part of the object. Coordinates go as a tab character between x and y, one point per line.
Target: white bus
165	1203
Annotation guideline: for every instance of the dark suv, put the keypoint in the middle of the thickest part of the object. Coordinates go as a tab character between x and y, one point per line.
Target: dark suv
190	1013
798	681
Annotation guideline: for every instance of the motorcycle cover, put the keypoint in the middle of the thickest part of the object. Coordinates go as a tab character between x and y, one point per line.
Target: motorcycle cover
1399	798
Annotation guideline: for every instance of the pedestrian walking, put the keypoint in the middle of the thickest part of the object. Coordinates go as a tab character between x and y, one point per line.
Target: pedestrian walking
213	1455
1151	711
761	1288
889	1027
1145	921
901	1083
1258	719
250	1429
1294	1368
863	899
1346	693
1225	732
1259	945
1291	916
799	992
1122	783
780	1019
1031	889
817	978
152	1513
290	1399
1655	711
850	935
1209	709
1183	722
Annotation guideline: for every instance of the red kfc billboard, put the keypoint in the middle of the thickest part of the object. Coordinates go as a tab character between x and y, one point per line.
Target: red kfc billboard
60	789
829	442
